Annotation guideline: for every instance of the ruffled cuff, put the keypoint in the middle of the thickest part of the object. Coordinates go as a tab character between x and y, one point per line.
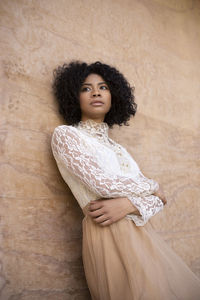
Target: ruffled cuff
147	206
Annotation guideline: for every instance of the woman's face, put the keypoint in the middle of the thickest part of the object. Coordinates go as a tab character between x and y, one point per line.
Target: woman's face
95	98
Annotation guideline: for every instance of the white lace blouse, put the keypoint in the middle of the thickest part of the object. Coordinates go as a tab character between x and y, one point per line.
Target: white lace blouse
94	166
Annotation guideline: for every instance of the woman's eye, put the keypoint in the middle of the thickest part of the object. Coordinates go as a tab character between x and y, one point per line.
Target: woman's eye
85	89
104	87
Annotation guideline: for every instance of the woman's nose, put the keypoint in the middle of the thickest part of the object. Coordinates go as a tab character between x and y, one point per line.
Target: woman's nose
96	92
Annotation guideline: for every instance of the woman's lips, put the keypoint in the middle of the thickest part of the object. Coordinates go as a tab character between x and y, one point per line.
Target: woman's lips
97	103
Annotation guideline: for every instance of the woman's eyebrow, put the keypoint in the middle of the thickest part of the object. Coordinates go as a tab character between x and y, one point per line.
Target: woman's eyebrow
99	83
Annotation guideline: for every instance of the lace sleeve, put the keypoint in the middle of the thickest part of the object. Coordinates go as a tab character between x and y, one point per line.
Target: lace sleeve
68	147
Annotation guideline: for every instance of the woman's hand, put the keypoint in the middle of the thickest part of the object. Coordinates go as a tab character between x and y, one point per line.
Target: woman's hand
161	195
108	211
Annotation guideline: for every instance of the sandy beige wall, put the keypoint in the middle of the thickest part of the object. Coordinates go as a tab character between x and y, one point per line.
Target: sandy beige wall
156	44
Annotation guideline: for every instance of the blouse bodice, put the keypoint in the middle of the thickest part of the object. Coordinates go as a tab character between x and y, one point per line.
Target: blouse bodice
94	166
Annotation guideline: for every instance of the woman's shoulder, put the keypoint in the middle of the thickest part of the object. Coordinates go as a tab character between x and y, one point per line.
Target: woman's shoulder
69	133
66	133
65	129
68	136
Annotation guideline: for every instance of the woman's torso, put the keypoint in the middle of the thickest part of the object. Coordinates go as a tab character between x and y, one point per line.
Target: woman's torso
111	156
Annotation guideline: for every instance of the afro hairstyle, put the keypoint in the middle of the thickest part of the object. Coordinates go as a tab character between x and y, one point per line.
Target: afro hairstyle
67	82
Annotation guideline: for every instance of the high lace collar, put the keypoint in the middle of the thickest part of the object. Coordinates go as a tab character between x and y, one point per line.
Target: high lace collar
99	130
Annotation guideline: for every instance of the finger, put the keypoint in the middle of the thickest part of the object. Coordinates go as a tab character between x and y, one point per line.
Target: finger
100	219
99	201
96	213
105	223
95	206
165	201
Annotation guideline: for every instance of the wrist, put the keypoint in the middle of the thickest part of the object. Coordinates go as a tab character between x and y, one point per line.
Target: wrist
131	209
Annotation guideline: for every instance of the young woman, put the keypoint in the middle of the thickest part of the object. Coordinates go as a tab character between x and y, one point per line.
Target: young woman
123	256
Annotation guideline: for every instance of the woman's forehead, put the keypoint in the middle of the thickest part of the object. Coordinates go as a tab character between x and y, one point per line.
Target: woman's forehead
93	78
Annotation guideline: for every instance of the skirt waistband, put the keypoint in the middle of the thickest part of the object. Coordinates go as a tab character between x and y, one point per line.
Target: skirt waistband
86	208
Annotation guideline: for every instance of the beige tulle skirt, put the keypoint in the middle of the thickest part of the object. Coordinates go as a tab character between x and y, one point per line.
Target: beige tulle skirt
126	262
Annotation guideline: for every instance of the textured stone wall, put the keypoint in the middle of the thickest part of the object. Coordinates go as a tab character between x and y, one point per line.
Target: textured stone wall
156	44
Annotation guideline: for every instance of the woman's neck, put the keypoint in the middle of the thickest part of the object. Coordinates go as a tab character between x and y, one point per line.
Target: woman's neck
97	120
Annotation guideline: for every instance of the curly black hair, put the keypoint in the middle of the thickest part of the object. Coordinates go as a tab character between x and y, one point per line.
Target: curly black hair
67	82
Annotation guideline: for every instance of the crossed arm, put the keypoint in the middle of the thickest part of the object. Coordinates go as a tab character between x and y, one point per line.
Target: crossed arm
105	212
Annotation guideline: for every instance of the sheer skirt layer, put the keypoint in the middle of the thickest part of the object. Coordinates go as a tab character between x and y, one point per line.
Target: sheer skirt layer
123	261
